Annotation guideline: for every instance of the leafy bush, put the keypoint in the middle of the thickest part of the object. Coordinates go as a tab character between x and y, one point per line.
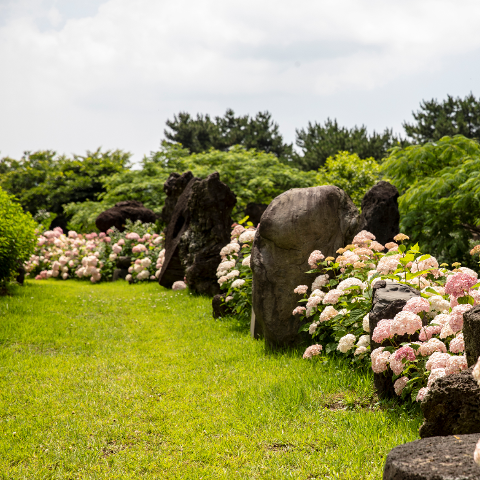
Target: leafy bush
17	237
440	194
350	173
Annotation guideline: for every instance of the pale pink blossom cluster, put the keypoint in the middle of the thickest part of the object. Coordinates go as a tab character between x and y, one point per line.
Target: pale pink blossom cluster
315	257
417	305
313	351
90	255
459	284
380	358
363	238
349	283
346	343
457	345
382	331
388	264
405	323
328	313
301	289
179	285
432	345
320	282
437	360
298	310
400	384
247	236
456	364
332	296
456	316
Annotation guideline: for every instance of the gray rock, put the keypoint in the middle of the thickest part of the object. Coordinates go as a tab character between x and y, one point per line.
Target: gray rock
219	307
118	215
210	207
438	458
123	262
173	188
388	299
172	269
452	406
199	228
296	223
471	334
119	274
380	214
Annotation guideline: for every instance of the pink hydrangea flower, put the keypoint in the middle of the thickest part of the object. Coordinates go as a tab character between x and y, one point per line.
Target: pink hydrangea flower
363	238
457	345
435	374
132	236
388	264
396	365
426	333
433	345
328	313
180	285
332	296
382	331
459	283
405	322
301	289
312	351
399	385
379	359
314	301
350	282
315	257
456	316
437	360
456	364
378	247
416	305
405	352
237	231
299	311
422	394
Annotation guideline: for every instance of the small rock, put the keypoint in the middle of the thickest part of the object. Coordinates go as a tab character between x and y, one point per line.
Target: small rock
452	406
120	212
380	214
471	335
219	307
438	458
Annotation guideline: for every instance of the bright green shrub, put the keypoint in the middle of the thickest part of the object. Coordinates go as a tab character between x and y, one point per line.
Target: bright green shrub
350	173
17	237
439	183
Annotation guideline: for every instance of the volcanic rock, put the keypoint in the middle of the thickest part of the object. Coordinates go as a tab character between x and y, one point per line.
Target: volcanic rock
296	223
437	458
452	406
380	214
118	215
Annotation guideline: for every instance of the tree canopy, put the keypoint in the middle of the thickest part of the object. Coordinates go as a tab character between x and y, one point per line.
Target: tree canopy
200	134
453	116
321	141
439	185
44	181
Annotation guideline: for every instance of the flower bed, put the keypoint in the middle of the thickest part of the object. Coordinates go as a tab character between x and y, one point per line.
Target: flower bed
340	300
92	256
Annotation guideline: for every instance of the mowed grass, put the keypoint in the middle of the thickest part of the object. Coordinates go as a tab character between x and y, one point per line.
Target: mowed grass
113	381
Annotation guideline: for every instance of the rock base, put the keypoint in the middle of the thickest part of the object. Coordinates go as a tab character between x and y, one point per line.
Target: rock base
437	458
119	274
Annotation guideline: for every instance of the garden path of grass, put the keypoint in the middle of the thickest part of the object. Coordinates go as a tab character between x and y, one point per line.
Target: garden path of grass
113	381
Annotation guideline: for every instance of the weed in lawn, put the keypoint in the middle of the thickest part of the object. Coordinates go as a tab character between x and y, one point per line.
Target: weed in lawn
133	381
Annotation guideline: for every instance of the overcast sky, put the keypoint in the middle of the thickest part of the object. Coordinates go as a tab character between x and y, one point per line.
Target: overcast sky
79	74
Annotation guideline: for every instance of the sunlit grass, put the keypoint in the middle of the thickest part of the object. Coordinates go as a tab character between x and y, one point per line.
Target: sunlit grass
117	381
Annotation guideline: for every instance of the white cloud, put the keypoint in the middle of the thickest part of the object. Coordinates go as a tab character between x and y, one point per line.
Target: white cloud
71	82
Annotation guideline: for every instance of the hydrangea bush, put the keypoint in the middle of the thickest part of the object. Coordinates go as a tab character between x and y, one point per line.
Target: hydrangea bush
234	272
336	309
92	256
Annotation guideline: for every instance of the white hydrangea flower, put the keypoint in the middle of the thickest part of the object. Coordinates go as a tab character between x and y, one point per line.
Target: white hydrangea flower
346	343
366	322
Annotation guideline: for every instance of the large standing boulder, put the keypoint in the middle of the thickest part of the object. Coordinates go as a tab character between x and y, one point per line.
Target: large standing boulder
199	228
210	207
172	269
452	406
389	298
471	334
120	212
438	458
294	224
255	212
380	214
173	188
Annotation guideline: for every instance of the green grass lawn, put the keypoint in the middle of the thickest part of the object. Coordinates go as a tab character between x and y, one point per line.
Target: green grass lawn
118	381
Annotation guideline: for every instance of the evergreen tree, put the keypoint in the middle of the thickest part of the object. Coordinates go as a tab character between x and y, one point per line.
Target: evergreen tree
202	133
453	116
319	142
